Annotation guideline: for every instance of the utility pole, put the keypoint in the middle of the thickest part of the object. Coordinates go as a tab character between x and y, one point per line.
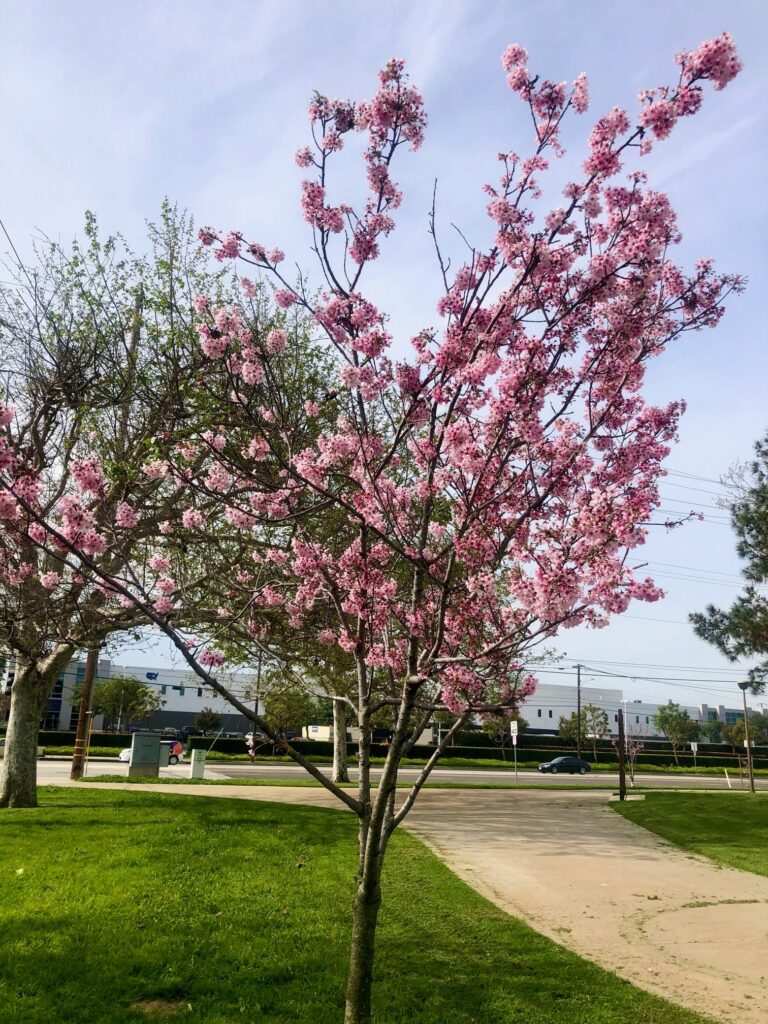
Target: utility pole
83	714
258	685
744	686
622	763
578	710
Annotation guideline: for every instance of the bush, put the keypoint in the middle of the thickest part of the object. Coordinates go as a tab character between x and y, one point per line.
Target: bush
60	738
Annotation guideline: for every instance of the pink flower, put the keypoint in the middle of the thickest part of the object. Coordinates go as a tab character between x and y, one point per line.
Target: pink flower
201	303
160	563
126	516
192	518
89	474
8	507
163	605
214	659
50	580
284	298
276	341
513	55
580	94
7	412
166	585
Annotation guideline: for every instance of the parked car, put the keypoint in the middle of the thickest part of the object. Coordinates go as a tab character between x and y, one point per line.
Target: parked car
572	765
169	732
191	730
233	736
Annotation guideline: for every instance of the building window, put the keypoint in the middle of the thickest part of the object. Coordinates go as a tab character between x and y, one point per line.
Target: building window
163	688
199	691
615	718
539	712
637	719
550	714
647	720
181	691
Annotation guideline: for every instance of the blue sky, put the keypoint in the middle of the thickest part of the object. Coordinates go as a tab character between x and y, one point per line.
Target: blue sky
111	107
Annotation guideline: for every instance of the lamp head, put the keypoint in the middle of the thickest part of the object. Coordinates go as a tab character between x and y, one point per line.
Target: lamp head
744	684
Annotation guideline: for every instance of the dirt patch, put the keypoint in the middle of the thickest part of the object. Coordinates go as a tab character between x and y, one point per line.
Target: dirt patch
162	1007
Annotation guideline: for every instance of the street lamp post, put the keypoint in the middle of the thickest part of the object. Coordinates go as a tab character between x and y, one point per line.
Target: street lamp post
744	686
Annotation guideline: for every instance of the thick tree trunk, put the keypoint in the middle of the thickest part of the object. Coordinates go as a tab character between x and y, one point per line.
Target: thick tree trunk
32	685
18	782
340	769
360	974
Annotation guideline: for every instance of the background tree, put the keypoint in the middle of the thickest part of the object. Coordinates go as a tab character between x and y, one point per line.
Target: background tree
677	725
758	730
496	727
713	731
595	725
632	750
208	720
287	705
741	631
103	363
124	701
567	727
450	510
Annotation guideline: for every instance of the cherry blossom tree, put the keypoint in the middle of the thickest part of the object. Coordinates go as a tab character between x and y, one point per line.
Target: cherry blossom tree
98	352
436	516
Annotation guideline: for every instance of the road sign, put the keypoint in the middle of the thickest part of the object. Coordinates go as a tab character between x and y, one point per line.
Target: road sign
514	739
513	729
694	747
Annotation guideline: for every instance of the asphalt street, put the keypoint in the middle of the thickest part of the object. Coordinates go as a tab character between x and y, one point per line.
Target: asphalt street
59	768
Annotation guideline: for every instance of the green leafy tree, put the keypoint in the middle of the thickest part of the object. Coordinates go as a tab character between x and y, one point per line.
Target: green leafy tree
741	631
567	728
125	701
208	720
496	726
713	731
287	705
677	725
758	730
596	725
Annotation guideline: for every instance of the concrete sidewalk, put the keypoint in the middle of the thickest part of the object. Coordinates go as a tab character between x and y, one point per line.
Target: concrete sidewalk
672	923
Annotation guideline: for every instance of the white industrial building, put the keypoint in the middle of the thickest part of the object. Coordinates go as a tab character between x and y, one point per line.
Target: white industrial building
181	691
184	697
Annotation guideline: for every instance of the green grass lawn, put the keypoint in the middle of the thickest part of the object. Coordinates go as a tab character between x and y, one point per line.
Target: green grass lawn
116	907
730	828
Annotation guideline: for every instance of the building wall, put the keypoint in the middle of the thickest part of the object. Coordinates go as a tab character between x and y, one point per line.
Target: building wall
552	701
185	697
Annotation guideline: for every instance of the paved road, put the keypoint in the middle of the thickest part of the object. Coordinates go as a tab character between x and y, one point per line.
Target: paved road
601	779
235	770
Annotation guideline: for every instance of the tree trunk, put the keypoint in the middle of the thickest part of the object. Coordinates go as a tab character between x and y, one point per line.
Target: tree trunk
18	783
32	686
360	974
340	769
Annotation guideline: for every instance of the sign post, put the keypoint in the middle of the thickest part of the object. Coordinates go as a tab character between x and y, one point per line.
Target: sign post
513	734
694	750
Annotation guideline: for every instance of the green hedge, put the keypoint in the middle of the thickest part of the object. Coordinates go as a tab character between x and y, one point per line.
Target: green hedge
49	738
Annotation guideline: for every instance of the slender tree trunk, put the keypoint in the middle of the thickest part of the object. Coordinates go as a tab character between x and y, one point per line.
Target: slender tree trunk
340	767
32	685
360	973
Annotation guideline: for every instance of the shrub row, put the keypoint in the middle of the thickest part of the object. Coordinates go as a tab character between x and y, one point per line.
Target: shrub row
49	738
